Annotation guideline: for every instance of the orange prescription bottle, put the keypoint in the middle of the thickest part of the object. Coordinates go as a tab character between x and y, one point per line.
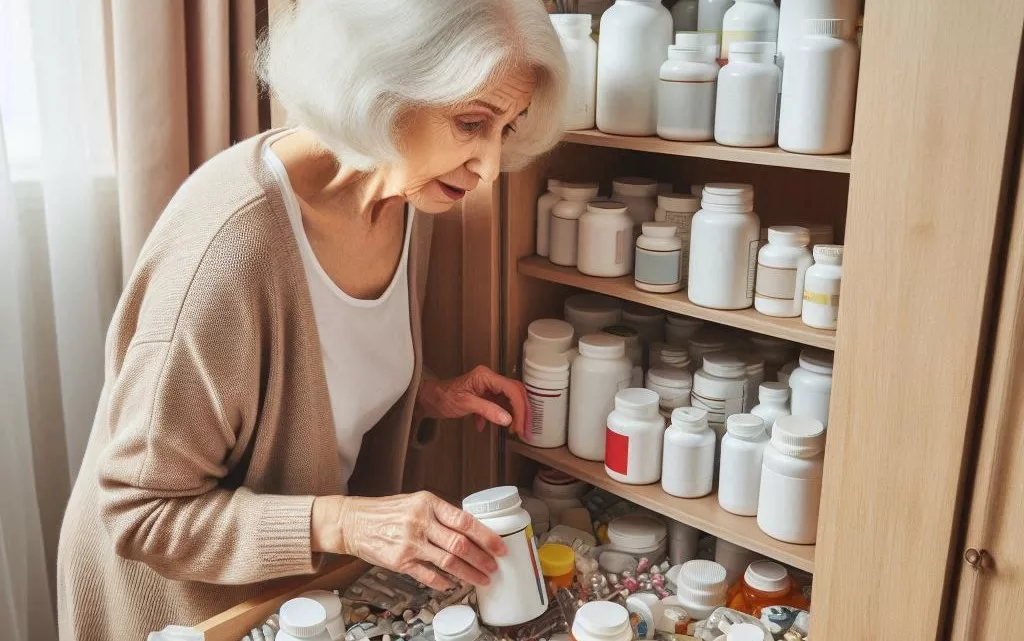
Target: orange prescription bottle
558	565
765	583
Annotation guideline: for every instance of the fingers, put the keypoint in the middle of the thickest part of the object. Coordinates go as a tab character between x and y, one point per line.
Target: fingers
429	577
458	556
488	381
490	412
455	519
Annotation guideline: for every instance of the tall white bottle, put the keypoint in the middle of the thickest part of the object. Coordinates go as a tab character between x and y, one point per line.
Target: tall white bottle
573	31
792	14
635	35
684	15
749	21
710	14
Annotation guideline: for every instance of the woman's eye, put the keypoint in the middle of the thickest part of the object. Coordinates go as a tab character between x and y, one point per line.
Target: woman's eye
470	126
509	130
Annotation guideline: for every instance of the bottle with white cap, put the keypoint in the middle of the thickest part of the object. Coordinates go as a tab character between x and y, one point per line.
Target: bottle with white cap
605	240
686	94
719	388
634	351
790	494
458	623
590	313
639	194
573	31
546	201
821	287
739	478
549	335
659	259
633	438
810	385
516	592
671	356
565	218
701	587
773	404
751	21
602	621
748	96
724	239
703	343
688	464
781	266
649	321
546	379
679	209
303	619
673	386
332	606
598	374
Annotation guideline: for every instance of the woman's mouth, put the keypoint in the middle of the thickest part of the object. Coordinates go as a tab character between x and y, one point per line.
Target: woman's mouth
451	191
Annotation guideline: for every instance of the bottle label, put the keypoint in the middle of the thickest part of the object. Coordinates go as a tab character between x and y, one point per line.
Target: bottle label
521	579
818	298
549	413
658	267
776	282
751	267
616	451
622	247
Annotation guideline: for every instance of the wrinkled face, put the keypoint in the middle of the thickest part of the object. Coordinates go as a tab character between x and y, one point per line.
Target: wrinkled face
447	152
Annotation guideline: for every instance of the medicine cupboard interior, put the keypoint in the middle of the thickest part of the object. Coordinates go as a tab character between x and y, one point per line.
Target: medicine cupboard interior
928	208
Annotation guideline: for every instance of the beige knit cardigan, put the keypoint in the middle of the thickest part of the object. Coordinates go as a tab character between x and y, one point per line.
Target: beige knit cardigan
214	429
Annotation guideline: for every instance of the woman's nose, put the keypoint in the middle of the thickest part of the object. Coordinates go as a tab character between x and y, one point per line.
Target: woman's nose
486	163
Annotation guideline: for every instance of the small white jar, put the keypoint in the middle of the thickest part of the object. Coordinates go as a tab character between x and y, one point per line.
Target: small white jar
688	466
599	373
605	240
640	196
669	356
811	385
634	351
331	603
702	588
821	287
545	203
550	335
679	209
793	14
773	404
673	387
755	376
634	437
304	619
649	321
659	265
590	313
749	21
739	476
573	31
602	621
719	388
748	93
703	343
781	266
790	494
639	535
680	329
546	379
776	352
682	542
723	248
458	623
819	90
565	218
686	94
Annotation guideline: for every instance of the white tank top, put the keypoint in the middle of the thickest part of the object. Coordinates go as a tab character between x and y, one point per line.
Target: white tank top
366	344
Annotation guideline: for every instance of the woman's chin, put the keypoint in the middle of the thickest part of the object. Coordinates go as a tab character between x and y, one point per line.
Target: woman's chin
432	205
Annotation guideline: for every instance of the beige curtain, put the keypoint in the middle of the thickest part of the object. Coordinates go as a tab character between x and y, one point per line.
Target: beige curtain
184	90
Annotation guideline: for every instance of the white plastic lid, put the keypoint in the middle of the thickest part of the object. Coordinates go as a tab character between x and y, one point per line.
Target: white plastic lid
703	581
642	313
828	254
606	207
685	203
696	38
635	187
761	50
678	320
456	623
659	230
579	191
601	619
550	331
690	419
554	185
574	21
745	426
602	346
636	531
789	236
303	618
674	356
329	600
725	365
670	377
637	400
550	362
774	391
492	499
832	27
744	632
799	436
593	303
697	189
816	360
734	194
766	576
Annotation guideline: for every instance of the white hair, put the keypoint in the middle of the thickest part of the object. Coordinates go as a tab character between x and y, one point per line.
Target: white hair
348	70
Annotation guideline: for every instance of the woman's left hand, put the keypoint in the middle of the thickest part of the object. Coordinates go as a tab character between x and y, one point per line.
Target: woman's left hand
483	393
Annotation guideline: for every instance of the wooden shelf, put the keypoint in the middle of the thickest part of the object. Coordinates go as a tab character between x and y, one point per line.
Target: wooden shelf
772	156
791	329
703	513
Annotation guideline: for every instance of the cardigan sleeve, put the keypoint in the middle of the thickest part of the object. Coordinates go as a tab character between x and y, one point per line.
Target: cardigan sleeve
177	411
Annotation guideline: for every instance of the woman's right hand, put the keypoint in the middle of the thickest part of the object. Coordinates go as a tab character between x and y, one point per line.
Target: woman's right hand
416	534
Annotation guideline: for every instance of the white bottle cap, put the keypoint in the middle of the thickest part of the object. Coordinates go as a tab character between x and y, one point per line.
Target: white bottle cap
828	254
745	632
789	236
766	576
636	531
832	27
492	499
550	331
602	346
670	377
303	618
799	436
704	582
690	419
764	50
548	362
332	605
775	391
696	38
685	203
579	191
606	207
600	620
735	194
456	623
745	426
637	187
674	356
816	360
725	365
637	400
678	320
659	230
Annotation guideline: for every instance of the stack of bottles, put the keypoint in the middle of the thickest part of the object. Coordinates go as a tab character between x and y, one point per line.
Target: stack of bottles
713	245
745	74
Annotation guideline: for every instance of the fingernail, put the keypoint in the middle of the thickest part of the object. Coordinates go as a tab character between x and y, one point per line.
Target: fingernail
492	567
504	418
501	549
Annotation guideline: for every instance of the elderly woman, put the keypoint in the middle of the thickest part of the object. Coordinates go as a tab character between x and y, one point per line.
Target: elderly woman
263	367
